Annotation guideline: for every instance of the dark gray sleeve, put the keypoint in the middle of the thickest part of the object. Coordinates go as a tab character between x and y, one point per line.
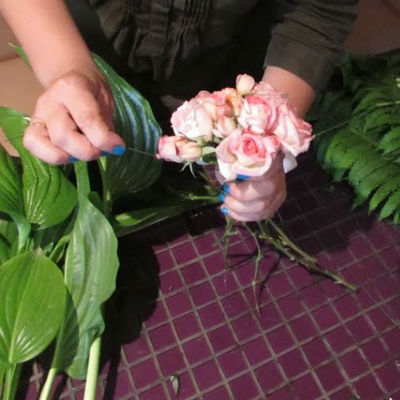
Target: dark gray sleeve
308	41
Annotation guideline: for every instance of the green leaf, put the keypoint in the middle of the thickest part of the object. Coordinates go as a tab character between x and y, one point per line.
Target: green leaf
384	191
139	219
32	302
391	205
90	271
138	168
48	196
10	185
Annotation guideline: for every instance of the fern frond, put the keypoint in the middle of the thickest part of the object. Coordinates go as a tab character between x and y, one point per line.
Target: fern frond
366	152
383	192
391	205
390	142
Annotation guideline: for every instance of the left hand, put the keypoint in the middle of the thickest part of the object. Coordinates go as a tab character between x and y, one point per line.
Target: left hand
256	198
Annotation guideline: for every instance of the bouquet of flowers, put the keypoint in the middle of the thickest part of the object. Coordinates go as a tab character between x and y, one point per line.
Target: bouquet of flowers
243	130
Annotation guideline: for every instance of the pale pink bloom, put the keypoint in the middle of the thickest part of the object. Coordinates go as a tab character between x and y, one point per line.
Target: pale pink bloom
294	133
258	114
224	126
244	84
246	154
214	103
193	121
178	149
189	151
168	148
233	99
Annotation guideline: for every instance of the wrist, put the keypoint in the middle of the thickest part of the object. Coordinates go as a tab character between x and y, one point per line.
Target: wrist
300	94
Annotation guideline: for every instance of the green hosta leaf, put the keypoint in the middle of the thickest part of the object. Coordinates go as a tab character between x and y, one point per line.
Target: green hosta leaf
136	220
48	196
10	185
90	271
32	303
134	121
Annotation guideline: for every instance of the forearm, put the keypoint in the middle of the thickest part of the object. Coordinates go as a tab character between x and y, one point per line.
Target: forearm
300	93
48	35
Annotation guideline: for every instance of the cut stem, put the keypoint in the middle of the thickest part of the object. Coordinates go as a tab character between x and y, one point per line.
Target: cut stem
11	381
93	370
46	390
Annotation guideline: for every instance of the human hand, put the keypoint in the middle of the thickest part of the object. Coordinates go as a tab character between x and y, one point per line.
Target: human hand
255	198
72	120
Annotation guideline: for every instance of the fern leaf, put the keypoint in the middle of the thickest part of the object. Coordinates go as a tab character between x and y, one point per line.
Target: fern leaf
391	205
391	141
375	180
384	191
368	163
369	101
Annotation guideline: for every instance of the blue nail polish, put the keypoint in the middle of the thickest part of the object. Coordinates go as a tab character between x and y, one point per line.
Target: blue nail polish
222	197
73	159
242	177
224	210
118	150
226	188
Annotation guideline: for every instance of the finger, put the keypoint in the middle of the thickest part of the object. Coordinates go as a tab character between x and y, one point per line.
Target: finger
63	134
276	165
37	141
86	113
254	206
256	216
248	191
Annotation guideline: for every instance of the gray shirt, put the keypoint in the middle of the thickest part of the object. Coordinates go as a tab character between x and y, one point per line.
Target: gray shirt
180	44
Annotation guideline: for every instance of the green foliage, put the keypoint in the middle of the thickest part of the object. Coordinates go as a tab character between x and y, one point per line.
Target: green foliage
48	196
138	168
90	270
32	303
363	146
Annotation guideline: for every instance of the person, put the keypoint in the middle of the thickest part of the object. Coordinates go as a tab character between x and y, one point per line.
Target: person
162	41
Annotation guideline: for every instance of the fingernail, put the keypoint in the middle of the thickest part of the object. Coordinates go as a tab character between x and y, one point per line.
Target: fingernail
242	177
224	210
104	153
226	188
73	159
118	150
222	197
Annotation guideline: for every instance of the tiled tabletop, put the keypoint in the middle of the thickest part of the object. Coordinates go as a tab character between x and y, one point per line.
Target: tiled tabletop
310	339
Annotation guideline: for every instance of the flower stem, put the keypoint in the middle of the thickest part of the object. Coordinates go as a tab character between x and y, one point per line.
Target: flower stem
46	390
302	258
286	241
93	370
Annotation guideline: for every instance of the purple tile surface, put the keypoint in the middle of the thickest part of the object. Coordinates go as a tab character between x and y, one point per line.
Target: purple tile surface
308	339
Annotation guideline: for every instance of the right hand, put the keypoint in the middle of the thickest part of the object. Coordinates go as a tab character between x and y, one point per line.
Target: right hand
72	120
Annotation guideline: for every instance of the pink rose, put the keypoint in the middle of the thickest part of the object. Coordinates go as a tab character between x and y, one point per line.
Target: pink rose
224	126
258	114
246	154
214	103
193	121
168	148
233	99
244	84
189	151
294	133
178	149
